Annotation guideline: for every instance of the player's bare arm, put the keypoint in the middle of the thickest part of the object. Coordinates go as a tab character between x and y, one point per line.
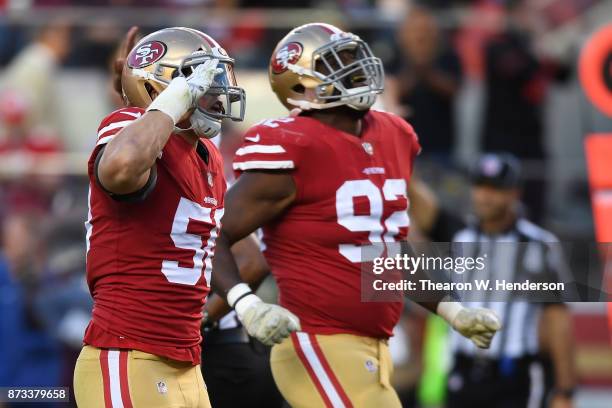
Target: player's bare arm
126	161
424	206
253	270
256	198
251	262
423	213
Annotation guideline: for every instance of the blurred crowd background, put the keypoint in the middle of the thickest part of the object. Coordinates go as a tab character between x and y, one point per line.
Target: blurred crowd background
471	76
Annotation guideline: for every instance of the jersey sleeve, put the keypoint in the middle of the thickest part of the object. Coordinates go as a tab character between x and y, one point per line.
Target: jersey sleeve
113	123
109	127
407	135
267	148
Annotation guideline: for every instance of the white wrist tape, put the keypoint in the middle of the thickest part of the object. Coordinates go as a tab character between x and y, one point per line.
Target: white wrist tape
240	297
174	101
449	310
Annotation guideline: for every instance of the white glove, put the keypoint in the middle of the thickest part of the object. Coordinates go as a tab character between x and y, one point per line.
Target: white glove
182	93
477	324
268	323
202	77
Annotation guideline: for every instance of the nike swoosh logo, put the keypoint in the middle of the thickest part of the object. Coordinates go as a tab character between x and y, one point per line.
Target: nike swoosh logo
253	138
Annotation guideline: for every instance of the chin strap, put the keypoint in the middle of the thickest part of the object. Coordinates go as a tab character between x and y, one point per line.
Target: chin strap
204	125
207	128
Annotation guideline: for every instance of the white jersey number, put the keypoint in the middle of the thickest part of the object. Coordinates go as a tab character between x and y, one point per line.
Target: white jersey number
188	210
372	223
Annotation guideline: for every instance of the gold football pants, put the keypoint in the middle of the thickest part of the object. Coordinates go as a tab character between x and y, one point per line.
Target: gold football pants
113	378
339	370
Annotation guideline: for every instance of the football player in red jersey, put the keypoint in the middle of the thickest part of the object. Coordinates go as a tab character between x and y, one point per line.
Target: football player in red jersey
155	205
322	184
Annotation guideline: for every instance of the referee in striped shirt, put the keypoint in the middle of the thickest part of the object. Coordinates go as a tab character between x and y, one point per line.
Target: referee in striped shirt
531	361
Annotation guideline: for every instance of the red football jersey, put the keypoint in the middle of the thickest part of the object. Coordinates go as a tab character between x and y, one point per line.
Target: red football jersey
350	191
149	262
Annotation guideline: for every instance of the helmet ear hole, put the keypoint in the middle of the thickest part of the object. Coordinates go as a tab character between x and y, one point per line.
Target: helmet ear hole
298	88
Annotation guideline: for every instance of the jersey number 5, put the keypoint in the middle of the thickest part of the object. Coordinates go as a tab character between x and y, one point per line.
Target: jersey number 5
345	210
188	210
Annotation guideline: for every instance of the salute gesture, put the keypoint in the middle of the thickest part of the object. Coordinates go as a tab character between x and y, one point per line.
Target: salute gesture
182	94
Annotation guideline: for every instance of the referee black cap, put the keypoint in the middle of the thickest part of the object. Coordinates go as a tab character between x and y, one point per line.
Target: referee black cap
500	170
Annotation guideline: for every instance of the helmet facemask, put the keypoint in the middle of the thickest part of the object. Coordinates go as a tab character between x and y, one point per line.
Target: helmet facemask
223	100
348	74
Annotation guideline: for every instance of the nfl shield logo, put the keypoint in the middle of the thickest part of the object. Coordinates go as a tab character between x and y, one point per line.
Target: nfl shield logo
368	148
162	388
210	178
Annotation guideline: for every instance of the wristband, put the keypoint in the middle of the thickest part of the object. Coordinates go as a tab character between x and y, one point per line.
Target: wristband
238	292
174	101
449	311
240	297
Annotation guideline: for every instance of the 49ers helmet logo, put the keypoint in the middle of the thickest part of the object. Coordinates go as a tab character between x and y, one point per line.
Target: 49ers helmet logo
146	54
288	54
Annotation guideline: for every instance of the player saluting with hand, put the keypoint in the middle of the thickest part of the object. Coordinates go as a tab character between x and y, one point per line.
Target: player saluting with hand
322	184
155	205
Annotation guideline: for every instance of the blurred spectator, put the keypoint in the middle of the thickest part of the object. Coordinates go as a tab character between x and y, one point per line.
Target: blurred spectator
276	3
30	356
514	96
22	151
516	81
63	305
11	41
426	79
484	20
93	44
31	73
244	39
